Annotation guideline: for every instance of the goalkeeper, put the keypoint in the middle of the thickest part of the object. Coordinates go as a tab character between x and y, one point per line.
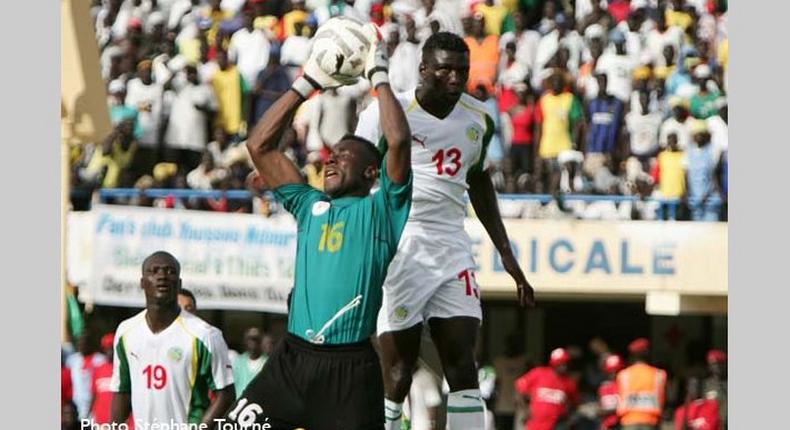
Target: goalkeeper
325	374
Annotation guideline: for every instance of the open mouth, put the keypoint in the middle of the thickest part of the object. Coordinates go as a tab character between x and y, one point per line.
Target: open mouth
330	174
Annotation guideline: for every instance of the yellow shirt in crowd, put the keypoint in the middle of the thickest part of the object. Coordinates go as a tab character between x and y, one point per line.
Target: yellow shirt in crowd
493	15
678	19
229	87
557	113
672	182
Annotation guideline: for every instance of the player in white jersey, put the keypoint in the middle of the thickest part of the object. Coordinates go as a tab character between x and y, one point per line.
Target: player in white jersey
431	277
166	360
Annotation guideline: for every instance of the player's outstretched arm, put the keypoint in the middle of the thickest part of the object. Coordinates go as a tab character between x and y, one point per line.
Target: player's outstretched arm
484	201
274	168
396	130
392	119
120	407
223	400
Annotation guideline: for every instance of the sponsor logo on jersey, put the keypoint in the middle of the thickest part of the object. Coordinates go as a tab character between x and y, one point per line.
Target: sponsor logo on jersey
175	354
319	208
473	133
401	313
419	138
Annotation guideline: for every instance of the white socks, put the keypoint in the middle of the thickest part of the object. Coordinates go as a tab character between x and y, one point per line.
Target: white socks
392	414
465	410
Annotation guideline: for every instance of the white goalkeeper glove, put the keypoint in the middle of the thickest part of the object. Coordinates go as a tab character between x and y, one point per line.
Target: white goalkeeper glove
314	78
377	63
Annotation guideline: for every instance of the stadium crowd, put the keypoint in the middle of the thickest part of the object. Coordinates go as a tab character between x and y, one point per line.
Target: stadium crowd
607	98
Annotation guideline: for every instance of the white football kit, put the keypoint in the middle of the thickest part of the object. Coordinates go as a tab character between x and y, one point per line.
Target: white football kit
432	273
169	373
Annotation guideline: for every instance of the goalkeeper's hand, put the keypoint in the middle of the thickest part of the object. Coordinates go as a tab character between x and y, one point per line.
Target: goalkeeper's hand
377	64
314	78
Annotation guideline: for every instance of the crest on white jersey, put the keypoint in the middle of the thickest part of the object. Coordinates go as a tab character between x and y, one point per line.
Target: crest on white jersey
319	208
473	132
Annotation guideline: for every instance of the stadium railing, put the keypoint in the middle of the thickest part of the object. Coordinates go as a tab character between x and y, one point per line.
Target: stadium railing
665	206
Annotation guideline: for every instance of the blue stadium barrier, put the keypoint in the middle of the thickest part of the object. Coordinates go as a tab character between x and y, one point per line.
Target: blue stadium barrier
668	206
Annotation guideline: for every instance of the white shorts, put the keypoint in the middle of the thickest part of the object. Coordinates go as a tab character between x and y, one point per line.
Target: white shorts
431	276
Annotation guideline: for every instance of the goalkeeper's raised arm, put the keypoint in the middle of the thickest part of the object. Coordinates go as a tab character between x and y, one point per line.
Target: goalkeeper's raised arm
394	125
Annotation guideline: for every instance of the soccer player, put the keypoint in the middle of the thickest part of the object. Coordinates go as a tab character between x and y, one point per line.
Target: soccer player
431	278
167	359
325	374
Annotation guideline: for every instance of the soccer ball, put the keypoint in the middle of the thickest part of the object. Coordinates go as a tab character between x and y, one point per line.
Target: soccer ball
340	48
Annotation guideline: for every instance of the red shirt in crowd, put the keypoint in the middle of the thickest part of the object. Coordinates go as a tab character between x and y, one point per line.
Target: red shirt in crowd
102	396
523	125
507	99
607	398
66	390
549	396
703	414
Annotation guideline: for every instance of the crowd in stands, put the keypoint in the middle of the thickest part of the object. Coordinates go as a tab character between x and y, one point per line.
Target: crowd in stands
613	98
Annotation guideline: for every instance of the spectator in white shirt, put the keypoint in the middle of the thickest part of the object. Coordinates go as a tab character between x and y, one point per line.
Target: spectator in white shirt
404	59
296	47
187	131
206	174
678	123
618	67
249	48
145	95
643	126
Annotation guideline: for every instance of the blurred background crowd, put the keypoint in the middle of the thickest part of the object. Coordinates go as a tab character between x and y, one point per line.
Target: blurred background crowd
607	98
585	377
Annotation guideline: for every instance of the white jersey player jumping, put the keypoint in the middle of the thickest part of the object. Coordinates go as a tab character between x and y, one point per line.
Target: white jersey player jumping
166	360
431	277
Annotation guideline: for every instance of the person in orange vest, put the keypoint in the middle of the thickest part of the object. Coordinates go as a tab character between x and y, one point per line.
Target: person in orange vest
607	392
641	388
697	413
483	56
551	393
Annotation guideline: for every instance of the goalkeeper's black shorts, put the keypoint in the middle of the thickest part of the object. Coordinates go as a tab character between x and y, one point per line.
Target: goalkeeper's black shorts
314	387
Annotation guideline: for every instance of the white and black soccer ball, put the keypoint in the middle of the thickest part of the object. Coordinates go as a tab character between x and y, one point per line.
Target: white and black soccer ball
340	48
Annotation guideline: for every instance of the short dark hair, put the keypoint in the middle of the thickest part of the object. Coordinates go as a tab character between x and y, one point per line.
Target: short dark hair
445	41
368	145
185	292
162	254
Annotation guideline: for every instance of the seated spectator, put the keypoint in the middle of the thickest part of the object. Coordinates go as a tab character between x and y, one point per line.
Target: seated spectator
109	166
704	194
205	174
559	117
483	56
